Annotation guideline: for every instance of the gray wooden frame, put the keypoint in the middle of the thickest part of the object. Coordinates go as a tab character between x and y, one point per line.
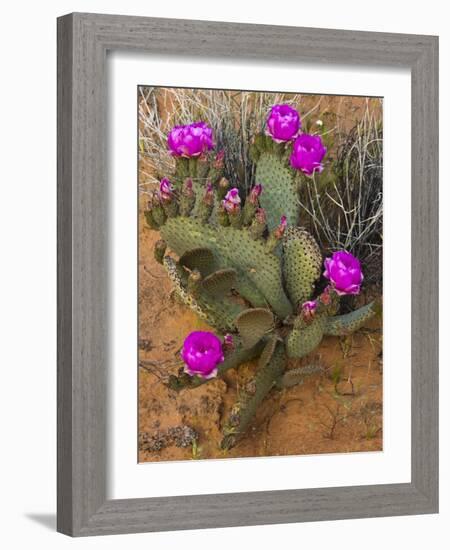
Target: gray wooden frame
83	41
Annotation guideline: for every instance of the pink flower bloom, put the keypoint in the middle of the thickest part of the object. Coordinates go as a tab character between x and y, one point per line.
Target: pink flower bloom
165	190
283	123
307	154
191	140
202	352
232	200
344	272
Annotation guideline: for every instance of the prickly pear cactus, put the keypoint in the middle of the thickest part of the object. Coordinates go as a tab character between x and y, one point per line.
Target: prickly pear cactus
245	266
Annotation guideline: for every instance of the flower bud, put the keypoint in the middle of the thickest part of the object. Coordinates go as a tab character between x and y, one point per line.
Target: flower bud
279	231
255	193
187	199
208	197
325	297
228	344
206	206
232	201
165	190
259	224
218	162
308	310
222	188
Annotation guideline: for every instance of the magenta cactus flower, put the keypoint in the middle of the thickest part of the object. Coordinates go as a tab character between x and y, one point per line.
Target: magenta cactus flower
283	123
344	272
202	353
232	200
307	154
191	140
165	190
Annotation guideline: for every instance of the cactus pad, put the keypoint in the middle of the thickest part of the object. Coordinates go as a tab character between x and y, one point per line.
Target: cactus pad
220	283
302	262
303	340
253	324
201	259
279	196
244	411
295	377
348	323
256	268
267	352
219	313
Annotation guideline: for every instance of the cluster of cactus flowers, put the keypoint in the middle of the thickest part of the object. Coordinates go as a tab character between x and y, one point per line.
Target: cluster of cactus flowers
245	266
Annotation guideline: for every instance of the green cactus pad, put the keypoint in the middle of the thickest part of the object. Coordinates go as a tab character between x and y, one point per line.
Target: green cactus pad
254	324
302	262
201	259
158	214
279	196
150	220
220	283
302	341
245	409
348	323
268	351
259	278
219	313
295	377
247	290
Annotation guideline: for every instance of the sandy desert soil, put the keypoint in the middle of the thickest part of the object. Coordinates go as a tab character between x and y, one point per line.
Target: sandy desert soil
338	409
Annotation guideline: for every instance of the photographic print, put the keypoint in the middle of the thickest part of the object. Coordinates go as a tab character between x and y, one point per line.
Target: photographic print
260	234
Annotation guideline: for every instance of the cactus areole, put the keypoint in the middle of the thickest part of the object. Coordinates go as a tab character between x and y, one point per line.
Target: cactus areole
244	265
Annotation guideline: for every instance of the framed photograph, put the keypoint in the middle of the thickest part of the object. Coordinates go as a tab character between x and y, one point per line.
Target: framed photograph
247	274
